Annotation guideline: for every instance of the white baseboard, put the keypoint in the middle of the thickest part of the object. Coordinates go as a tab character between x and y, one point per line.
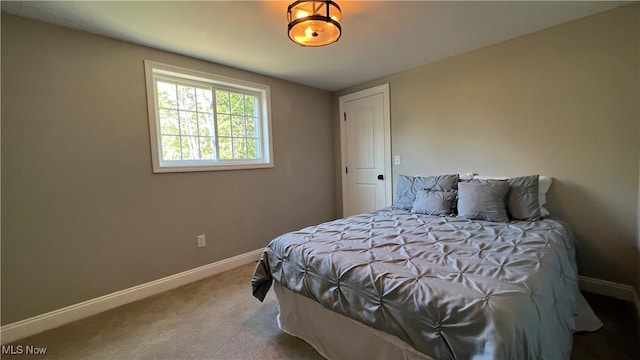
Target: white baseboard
24	328
610	289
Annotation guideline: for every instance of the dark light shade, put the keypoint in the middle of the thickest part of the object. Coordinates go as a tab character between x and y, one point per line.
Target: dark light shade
314	23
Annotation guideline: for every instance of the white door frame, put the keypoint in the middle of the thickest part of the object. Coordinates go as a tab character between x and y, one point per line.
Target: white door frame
380	89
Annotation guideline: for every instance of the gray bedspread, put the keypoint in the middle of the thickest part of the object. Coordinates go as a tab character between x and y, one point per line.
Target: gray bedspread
451	288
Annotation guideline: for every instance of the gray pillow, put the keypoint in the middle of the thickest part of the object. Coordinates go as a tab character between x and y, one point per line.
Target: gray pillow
438	183
483	201
404	197
408	186
431	202
522	201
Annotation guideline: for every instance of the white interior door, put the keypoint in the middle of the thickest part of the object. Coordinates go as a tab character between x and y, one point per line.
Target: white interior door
366	151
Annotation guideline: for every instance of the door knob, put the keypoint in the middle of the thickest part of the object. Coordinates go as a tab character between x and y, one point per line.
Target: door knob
380	177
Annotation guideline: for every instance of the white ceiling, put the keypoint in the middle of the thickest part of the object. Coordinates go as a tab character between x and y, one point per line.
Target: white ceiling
378	38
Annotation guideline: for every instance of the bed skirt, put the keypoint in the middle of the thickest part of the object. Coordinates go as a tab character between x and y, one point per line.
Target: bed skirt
335	336
308	320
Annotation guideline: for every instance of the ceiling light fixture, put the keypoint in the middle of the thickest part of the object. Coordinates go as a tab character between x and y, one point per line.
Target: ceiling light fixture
314	23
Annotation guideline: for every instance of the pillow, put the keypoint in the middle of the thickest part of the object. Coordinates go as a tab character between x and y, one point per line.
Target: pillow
544	183
483	201
404	197
431	202
522	198
408	187
439	182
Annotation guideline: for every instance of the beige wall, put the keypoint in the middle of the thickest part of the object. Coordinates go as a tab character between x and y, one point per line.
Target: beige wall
561	102
82	213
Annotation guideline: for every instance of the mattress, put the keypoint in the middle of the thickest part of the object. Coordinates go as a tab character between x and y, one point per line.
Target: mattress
447	287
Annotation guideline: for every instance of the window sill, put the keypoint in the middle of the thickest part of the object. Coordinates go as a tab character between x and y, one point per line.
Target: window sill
173	169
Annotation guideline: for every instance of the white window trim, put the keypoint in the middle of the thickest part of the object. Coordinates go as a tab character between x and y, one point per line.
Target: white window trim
152	67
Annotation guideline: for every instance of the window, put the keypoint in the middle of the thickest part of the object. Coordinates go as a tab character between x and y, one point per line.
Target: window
202	122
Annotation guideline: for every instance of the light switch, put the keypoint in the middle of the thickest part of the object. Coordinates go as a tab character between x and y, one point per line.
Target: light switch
396	160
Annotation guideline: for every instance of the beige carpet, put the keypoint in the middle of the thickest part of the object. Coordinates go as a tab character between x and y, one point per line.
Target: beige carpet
215	318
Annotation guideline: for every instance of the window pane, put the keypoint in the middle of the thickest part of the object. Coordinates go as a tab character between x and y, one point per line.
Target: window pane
206	148
237	104
167	96
170	147
224	125
250	105
224	146
169	122
237	126
239	148
189	148
252	127
188	123
205	100
222	102
252	148
205	125
186	98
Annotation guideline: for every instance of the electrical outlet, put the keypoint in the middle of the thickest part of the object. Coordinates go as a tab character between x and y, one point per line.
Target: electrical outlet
202	242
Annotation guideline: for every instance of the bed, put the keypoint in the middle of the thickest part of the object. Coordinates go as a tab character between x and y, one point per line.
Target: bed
469	270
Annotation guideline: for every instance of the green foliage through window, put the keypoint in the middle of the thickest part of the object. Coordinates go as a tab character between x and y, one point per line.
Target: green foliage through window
190	128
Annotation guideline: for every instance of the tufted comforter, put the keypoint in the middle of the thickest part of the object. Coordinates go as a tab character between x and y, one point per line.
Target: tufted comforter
451	288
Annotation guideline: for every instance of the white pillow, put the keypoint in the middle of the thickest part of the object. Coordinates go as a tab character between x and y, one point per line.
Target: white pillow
544	183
